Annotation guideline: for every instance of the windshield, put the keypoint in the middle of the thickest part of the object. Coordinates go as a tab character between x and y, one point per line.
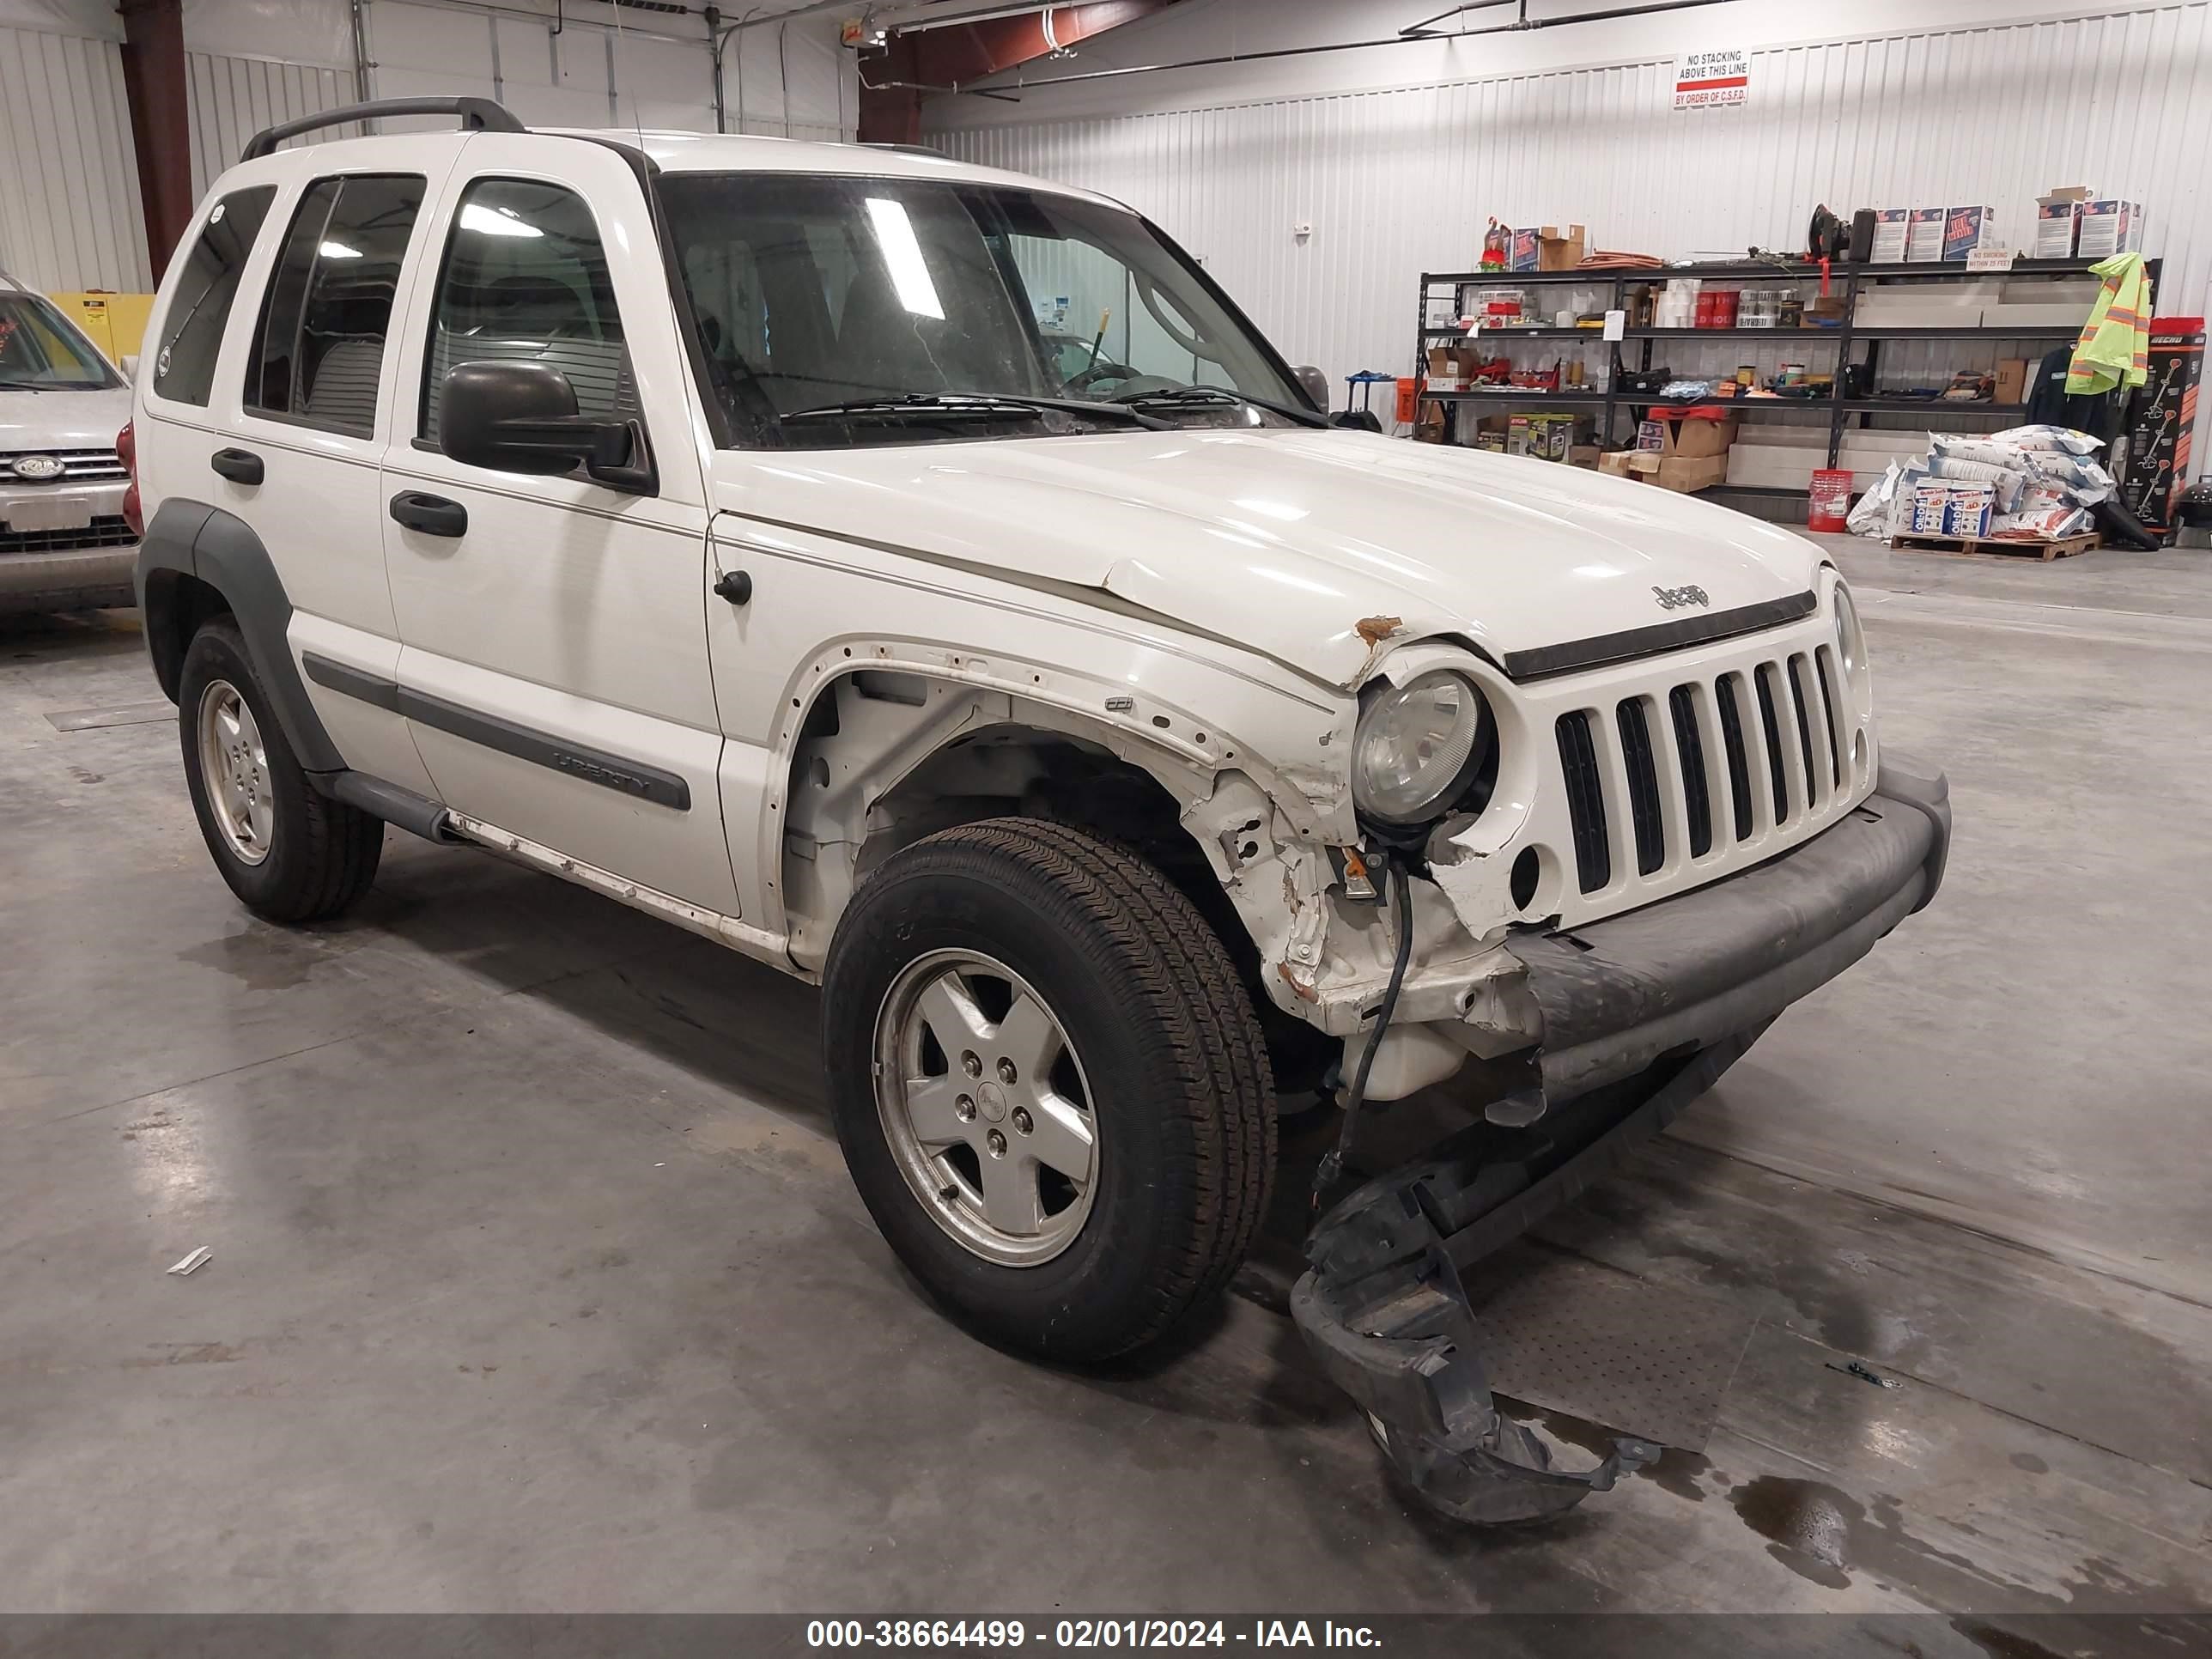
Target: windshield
39	351
838	310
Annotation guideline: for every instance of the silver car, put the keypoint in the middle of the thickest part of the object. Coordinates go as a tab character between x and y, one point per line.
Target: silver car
64	541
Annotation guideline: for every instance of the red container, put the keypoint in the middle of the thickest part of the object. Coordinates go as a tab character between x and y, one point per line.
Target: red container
1724	305
1708	307
1828	502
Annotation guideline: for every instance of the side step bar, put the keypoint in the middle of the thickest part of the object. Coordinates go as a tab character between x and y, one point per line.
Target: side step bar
401	808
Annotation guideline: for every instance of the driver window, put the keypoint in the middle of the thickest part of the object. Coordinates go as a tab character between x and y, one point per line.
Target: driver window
526	280
1093	321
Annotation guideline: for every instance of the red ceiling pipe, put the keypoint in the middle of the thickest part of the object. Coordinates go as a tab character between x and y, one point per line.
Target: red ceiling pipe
154	82
892	82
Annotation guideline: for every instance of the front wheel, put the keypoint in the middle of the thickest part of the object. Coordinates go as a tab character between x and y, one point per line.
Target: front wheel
1049	1086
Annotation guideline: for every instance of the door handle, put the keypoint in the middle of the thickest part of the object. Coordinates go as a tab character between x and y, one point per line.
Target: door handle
735	585
240	466
433	515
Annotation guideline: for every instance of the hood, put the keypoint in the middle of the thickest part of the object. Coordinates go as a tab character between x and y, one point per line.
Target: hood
65	418
1288	540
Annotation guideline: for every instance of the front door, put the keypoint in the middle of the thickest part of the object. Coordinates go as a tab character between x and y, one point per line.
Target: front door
554	665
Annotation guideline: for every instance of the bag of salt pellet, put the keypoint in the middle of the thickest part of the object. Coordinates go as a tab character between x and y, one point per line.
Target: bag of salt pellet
2063	439
2008	482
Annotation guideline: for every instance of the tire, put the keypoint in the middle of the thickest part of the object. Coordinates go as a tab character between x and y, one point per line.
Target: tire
1166	1057
316	856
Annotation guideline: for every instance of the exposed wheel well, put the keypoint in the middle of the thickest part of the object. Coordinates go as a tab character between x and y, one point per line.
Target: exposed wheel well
177	605
843	823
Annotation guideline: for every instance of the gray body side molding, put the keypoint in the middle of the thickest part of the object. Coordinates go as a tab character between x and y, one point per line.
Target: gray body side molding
219	548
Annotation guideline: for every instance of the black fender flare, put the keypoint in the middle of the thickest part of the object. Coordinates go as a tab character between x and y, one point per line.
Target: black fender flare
192	538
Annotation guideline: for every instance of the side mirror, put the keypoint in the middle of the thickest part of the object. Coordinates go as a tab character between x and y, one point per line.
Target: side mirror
1315	384
521	417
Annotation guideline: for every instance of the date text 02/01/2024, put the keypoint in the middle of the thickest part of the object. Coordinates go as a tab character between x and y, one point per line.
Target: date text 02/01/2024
1083	1634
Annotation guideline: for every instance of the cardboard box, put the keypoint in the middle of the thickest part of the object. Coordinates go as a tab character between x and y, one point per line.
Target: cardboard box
1584	455
1526	251
1930	496
2057	219
2012	381
1453	368
1923	235
1544	437
1964	229
1691	473
2108	228
1555	251
1618	463
1968	507
1889	231
1685	440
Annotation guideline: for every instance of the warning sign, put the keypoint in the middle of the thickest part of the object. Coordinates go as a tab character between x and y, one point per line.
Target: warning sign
1709	80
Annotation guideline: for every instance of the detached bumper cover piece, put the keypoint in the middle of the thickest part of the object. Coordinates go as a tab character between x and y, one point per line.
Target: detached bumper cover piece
1642	1014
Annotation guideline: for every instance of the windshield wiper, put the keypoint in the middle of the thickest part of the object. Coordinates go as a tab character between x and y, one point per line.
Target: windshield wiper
1217	395
924	405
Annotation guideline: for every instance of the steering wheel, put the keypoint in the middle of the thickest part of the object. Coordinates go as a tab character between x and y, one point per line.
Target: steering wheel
1085	378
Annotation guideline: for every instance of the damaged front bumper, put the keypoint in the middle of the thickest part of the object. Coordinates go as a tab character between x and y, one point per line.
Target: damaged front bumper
1640	1014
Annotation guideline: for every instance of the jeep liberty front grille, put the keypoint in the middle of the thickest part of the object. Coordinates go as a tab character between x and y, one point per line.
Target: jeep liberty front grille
1663	777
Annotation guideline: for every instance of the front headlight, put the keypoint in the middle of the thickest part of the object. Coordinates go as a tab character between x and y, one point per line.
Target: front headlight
1419	747
1851	638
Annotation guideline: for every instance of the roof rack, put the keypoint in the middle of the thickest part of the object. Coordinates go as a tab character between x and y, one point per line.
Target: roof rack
905	150
476	115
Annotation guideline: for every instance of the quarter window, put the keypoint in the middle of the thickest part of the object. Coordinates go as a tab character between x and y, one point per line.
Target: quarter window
526	280
323	326
184	366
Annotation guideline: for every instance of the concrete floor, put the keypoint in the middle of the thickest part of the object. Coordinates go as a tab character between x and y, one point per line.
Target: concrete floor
537	1283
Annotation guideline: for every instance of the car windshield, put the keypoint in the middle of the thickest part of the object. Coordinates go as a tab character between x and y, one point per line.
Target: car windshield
841	310
40	352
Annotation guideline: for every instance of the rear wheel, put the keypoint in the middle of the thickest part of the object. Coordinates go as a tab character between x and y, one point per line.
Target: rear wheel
1049	1086
290	853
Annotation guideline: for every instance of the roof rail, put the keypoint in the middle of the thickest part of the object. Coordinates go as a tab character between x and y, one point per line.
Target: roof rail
905	150
477	115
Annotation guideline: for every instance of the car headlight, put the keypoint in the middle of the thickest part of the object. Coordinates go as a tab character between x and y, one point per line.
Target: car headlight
1851	638
1419	747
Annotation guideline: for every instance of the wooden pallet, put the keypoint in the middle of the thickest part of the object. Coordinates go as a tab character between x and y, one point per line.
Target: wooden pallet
2065	548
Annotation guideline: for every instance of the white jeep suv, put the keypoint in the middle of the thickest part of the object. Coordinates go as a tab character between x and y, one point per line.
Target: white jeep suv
727	524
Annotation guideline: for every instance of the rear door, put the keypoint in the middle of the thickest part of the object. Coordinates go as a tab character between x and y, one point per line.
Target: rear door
554	669
299	461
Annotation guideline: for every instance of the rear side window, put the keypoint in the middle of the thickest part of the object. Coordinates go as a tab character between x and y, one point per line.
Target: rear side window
184	367
323	325
526	280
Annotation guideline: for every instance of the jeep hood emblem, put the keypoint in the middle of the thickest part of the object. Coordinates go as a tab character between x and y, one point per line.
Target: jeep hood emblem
1675	598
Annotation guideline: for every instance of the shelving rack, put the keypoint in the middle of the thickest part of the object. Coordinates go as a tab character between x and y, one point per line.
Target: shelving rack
1851	280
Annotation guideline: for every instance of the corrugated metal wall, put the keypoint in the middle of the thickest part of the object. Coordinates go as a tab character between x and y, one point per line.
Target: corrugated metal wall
68	182
1395	182
234	98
